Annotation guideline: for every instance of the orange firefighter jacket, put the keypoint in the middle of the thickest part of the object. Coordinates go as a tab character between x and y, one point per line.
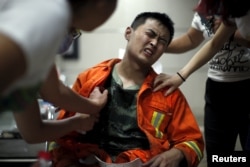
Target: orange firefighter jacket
167	121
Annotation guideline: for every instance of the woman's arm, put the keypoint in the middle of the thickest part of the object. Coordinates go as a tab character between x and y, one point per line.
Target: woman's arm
188	41
208	50
198	60
35	130
55	92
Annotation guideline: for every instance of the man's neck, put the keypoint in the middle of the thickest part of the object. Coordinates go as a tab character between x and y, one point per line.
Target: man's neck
130	75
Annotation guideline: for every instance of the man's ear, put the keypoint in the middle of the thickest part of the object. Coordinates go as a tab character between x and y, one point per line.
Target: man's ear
128	32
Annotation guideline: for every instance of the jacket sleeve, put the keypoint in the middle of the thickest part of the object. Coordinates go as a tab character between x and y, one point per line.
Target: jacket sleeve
187	137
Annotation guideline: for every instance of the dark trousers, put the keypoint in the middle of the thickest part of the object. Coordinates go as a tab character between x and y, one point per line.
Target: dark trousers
227	109
248	139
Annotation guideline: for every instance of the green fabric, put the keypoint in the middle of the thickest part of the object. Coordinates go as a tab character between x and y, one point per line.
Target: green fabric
117	129
120	129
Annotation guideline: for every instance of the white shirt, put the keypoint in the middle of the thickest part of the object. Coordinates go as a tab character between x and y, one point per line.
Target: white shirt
38	27
231	63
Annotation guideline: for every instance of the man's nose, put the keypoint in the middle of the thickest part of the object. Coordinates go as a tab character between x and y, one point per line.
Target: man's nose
154	42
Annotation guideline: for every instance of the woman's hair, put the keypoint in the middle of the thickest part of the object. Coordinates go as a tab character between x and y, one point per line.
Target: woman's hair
225	8
77	4
161	17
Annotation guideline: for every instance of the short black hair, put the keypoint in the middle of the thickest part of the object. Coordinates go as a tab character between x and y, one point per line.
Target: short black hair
163	18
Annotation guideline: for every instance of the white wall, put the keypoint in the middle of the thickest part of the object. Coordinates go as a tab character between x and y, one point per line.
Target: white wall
105	41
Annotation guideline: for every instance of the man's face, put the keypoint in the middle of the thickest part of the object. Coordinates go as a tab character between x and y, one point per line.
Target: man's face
148	42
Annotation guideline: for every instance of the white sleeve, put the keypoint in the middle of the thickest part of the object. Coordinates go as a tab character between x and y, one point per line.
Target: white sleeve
199	24
196	23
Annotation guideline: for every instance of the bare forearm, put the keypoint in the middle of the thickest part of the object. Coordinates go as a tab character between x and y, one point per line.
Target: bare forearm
72	101
208	50
55	92
180	45
34	130
198	60
49	130
186	42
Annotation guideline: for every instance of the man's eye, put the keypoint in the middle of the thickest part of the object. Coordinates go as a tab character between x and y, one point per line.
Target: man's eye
150	34
163	41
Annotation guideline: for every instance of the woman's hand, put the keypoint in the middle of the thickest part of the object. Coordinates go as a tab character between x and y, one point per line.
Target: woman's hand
99	98
165	80
85	122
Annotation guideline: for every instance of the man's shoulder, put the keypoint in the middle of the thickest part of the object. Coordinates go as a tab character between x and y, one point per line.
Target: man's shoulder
106	63
104	66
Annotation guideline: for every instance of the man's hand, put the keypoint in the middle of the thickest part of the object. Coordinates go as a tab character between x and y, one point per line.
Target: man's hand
99	97
170	158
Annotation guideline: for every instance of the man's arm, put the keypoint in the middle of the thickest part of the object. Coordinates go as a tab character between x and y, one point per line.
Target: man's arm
183	132
184	137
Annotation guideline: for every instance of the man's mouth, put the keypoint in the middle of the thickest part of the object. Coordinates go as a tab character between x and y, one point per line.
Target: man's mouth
148	52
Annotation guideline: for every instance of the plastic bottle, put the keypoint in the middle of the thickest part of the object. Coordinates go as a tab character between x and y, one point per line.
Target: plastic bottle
44	159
